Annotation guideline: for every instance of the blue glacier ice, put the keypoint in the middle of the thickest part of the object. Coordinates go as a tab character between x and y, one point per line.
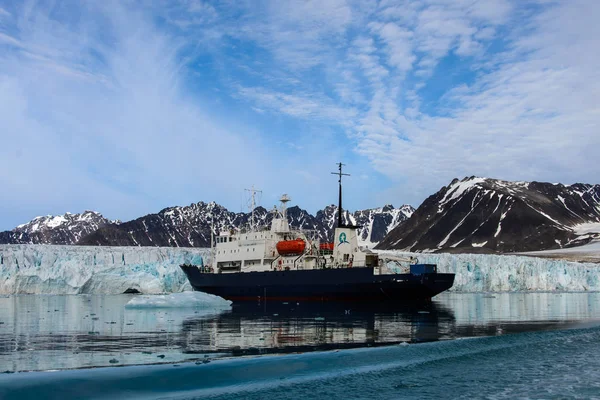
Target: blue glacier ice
512	273
52	269
152	270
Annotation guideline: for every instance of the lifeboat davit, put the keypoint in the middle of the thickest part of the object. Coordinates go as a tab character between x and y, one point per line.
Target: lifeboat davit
326	246
291	247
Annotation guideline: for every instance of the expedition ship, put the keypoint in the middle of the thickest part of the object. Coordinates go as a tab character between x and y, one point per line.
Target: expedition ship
282	264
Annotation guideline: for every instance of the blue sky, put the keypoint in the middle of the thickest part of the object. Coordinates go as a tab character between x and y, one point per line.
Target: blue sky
127	107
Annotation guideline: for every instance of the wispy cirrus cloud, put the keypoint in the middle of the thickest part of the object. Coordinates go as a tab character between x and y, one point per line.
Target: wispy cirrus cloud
131	99
442	89
95	114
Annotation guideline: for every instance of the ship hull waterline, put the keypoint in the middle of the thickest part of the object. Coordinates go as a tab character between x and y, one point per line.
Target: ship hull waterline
344	284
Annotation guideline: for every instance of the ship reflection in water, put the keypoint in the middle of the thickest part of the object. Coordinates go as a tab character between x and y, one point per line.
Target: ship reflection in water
64	332
259	328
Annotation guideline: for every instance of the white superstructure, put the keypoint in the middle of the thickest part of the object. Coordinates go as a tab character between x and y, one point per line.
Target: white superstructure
281	248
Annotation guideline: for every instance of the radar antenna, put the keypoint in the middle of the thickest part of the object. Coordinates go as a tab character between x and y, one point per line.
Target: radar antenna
340	174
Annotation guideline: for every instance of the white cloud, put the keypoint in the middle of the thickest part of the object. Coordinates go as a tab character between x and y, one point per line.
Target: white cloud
6	39
533	118
112	84
309	105
529	112
109	125
399	46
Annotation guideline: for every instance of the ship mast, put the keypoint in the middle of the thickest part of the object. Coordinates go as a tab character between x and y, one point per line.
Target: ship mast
252	204
284	199
340	174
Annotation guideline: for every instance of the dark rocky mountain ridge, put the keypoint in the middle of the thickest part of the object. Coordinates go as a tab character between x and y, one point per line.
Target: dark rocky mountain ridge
190	226
490	215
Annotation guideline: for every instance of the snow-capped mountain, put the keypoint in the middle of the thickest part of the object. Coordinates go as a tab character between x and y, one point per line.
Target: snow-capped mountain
490	215
190	226
61	229
374	223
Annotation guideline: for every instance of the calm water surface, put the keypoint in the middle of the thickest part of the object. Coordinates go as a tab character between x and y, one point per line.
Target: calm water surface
39	332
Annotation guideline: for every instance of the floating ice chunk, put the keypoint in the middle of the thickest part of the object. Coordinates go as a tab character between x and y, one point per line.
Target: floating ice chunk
180	300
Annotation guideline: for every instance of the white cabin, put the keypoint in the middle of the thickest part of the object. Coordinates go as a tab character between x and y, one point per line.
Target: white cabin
256	250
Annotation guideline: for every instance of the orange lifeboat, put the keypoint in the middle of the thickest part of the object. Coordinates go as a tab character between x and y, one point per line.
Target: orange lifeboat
291	247
326	246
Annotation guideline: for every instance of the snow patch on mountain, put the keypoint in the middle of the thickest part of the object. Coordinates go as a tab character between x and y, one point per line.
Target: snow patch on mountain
587	228
458	188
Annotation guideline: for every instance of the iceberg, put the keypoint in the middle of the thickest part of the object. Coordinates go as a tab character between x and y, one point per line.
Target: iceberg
50	269
179	301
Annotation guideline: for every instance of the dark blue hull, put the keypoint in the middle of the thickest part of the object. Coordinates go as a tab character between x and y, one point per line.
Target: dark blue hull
345	284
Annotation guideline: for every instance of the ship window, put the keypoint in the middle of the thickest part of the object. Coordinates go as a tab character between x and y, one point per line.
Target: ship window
346	257
253	249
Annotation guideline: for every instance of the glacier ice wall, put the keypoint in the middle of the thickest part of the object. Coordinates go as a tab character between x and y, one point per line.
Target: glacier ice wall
52	269
508	273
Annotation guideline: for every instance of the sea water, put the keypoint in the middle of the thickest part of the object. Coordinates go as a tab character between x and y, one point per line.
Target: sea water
501	345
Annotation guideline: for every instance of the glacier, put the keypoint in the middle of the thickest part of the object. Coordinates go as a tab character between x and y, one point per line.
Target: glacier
511	273
51	269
